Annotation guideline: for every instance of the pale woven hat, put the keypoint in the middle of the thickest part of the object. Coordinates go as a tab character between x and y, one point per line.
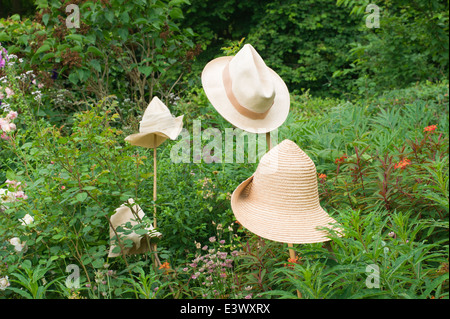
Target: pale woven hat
123	215
156	126
280	201
246	92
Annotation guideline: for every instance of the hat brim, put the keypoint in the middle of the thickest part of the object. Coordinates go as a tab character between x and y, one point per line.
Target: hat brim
148	140
153	139
215	91
268	220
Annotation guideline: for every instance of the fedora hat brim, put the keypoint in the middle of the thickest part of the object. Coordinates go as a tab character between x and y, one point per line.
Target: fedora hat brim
212	82
268	219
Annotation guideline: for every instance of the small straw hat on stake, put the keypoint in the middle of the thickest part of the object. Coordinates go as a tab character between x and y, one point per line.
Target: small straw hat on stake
156	126
246	92
280	201
132	213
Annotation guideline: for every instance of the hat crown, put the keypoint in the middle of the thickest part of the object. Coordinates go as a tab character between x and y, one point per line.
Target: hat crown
282	204
251	80
287	172
156	106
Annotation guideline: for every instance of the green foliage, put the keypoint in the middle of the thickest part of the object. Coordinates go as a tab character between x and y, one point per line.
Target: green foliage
32	280
382	255
135	51
305	42
361	147
411	44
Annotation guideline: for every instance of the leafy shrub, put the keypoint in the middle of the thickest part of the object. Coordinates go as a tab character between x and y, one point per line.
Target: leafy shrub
411	45
133	51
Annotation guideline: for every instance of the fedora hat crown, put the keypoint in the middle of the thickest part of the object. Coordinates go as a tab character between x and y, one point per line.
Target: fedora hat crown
246	92
251	81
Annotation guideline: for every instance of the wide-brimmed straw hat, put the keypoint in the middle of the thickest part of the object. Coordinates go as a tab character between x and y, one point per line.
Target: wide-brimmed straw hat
246	92
156	126
132	213
280	201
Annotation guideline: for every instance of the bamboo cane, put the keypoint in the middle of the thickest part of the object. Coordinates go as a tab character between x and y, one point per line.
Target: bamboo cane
291	250
154	185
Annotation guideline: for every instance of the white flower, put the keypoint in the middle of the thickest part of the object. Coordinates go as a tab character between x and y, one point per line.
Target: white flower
4	283
6	196
18	245
27	219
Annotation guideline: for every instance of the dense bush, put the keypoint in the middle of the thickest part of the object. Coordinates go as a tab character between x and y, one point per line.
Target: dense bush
132	51
410	45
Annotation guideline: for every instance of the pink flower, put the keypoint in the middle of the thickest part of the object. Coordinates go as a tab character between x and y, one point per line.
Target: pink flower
4	136
9	92
21	194
11	115
63	187
6	126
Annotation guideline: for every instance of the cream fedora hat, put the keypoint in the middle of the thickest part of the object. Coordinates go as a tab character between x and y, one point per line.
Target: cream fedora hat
246	92
123	215
282	203
156	126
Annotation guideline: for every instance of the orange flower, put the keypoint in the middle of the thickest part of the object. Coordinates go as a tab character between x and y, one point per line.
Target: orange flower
165	265
402	164
322	176
292	261
430	128
340	159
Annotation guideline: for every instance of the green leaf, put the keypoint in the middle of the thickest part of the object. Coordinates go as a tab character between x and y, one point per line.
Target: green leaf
109	15
141	231
4	36
176	13
146	70
43	48
48	56
74	37
178	2
45	18
81	197
95	51
96	65
73	77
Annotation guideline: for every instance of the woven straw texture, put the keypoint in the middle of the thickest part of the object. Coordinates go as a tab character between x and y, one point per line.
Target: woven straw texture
280	201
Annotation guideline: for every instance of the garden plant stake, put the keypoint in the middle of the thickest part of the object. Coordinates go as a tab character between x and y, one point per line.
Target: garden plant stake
291	247
156	126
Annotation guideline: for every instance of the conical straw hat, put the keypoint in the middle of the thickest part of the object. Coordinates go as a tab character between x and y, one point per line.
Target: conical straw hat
280	201
156	126
123	215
